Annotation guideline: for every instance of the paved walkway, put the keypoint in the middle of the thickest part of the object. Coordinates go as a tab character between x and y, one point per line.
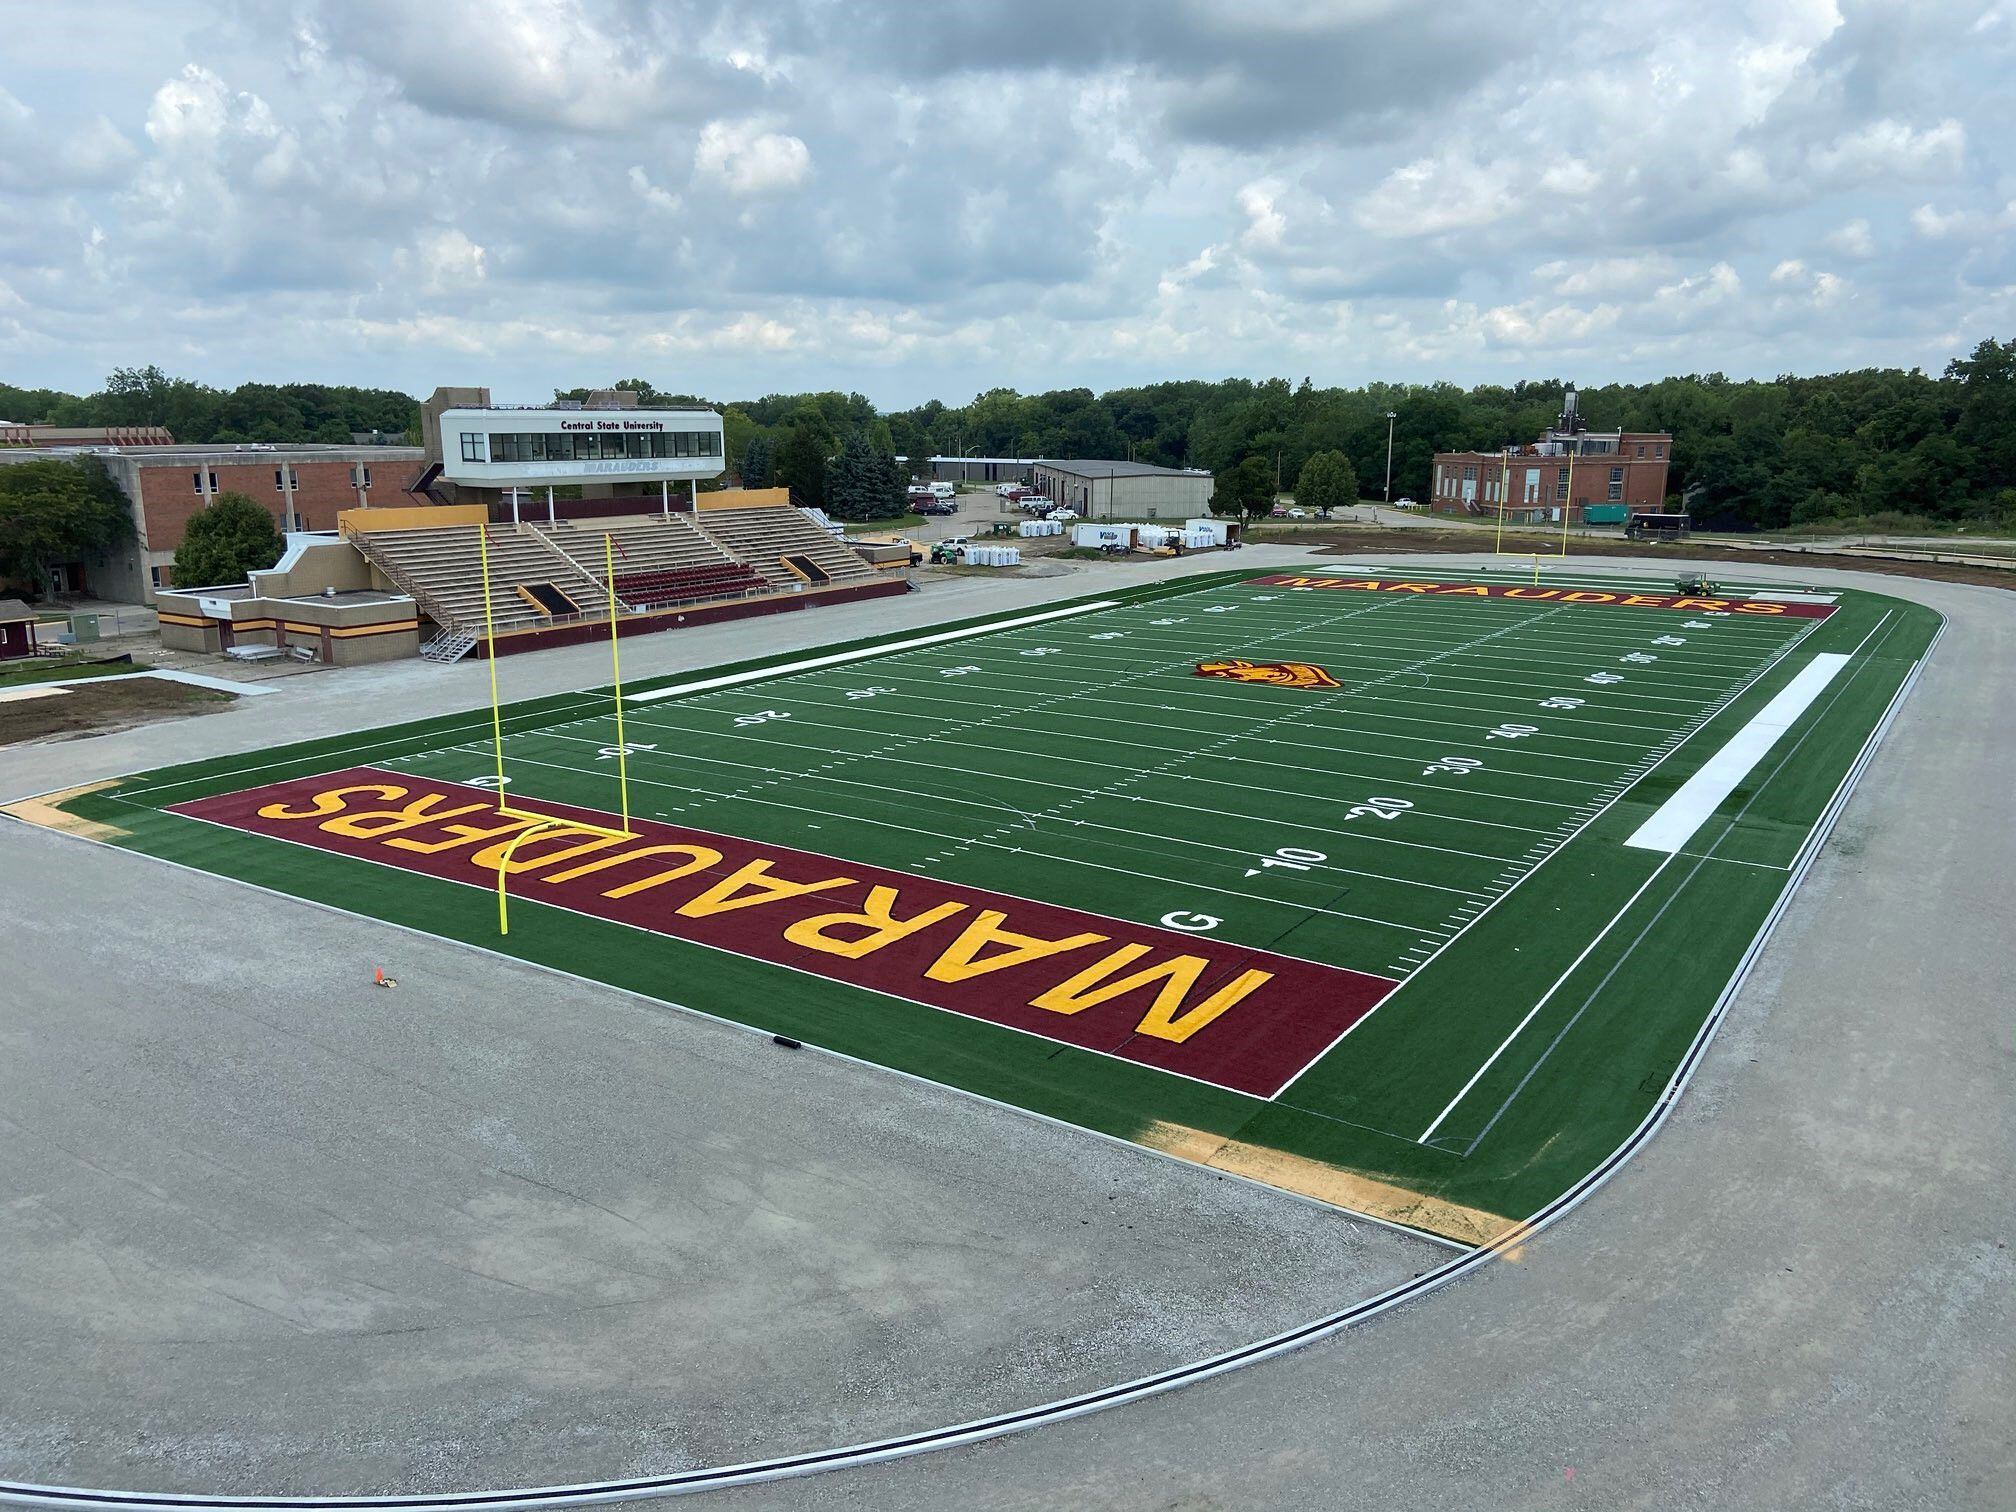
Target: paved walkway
492	1228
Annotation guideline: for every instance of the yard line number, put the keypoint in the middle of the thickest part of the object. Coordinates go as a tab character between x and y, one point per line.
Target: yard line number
1292	857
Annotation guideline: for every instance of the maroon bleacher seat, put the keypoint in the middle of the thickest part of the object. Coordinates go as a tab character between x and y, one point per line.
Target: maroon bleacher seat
673	585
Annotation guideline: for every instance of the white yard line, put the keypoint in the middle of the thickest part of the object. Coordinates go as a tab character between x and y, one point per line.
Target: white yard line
643	758
866	653
797	806
1677	744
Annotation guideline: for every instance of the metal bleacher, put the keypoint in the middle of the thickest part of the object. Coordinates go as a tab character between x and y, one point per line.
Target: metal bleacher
660	561
764	535
442	567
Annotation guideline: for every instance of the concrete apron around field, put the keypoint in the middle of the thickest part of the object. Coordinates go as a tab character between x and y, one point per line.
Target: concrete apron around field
284	1231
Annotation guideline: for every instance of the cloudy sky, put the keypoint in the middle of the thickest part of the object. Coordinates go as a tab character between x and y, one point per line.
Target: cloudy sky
919	200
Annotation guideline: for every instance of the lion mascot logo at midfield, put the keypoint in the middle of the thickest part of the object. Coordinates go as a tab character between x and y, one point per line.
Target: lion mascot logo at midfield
1277	674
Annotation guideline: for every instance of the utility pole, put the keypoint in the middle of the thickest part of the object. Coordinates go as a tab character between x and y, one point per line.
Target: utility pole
1391	415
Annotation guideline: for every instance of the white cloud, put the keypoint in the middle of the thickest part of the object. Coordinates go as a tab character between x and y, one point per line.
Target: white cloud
662	200
748	159
1853	239
1607	275
787	194
447	259
1891	149
1265	225
1431	196
36	159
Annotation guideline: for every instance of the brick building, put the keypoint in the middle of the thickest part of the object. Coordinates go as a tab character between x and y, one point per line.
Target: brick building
1569	467
301	486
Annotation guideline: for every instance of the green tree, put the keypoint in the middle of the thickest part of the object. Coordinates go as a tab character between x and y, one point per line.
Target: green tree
225	541
54	511
1246	489
1987	419
737	431
801	462
862	483
758	461
1327	481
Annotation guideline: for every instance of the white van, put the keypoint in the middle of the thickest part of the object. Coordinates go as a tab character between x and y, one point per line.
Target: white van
944	490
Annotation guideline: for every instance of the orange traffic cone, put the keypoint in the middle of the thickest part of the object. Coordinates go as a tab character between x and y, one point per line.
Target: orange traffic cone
382	980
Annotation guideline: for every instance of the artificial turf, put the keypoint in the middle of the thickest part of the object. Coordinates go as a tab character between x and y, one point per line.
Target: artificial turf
1437	818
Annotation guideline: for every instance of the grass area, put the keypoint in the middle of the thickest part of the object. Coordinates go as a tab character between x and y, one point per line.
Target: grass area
873	527
1980	535
1422	954
44	670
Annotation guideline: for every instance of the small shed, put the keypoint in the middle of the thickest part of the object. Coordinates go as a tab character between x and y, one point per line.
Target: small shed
17	630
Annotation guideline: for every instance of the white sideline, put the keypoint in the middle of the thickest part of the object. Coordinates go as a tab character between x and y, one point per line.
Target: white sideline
1676	820
864	652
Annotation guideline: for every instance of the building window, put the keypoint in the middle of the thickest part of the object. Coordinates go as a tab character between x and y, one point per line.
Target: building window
162	576
1641	448
1616	475
472	446
1561	489
285	478
1470	474
196	479
1616	492
360	476
1659	451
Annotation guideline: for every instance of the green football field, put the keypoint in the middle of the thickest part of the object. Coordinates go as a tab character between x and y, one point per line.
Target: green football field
1411	895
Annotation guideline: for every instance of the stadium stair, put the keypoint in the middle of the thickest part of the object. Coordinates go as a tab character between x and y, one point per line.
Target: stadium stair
450	646
441	566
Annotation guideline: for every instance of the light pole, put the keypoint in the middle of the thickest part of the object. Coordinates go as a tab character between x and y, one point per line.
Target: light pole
1391	416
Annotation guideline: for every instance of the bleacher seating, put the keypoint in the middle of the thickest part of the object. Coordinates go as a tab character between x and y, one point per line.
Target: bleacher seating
659	561
652	543
679	585
442	567
762	536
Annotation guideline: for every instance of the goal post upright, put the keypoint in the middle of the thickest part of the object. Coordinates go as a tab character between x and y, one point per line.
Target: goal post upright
616	673
490	655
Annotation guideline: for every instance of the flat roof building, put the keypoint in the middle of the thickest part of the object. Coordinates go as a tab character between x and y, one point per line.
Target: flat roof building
1101	490
303	487
1569	467
482	452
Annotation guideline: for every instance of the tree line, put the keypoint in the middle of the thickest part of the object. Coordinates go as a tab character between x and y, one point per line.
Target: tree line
1747	453
199	415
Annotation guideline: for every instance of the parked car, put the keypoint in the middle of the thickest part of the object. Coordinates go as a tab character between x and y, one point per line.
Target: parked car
1064	516
1298	514
944	490
1405	504
1035	504
1278	512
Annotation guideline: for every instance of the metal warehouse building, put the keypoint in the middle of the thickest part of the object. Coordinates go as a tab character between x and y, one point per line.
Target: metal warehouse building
1124	490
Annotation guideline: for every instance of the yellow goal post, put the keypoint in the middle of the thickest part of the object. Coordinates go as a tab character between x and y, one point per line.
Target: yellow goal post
540	822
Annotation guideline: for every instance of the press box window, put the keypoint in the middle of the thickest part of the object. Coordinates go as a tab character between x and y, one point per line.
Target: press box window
472	446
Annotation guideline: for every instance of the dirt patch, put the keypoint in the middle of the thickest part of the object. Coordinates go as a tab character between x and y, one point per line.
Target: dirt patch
1360	542
1333	1184
93	708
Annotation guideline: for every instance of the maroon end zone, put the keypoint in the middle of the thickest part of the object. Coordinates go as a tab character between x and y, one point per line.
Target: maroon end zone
1244	1019
1754	607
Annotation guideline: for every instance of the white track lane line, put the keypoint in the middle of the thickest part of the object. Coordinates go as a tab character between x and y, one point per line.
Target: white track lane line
1545	998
